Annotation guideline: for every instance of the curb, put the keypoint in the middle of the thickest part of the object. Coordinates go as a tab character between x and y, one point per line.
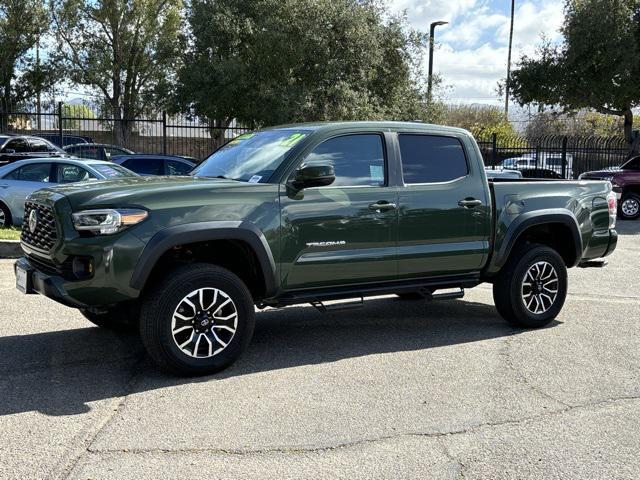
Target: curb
10	249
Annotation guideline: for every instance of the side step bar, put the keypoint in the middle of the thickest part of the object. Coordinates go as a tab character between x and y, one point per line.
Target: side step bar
352	304
593	264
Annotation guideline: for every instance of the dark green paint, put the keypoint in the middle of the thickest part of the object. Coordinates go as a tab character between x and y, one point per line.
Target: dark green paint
327	236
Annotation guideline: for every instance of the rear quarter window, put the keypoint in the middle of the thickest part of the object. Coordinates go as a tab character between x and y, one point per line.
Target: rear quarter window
431	158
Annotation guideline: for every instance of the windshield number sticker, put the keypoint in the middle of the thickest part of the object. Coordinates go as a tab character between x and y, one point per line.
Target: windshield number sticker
255	179
292	139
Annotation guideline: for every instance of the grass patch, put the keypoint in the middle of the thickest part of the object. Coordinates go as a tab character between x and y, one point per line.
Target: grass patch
9	233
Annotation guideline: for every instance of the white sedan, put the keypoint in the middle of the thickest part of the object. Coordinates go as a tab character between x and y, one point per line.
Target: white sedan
19	179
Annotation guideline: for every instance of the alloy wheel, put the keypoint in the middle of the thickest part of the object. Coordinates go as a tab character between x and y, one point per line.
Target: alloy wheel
3	218
630	207
540	287
204	322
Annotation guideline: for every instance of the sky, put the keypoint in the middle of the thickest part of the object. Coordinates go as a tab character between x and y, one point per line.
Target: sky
471	51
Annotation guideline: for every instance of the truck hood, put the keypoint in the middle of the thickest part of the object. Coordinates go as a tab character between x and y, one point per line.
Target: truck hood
150	192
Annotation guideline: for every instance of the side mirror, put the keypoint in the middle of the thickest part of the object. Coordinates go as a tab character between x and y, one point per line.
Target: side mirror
8	150
313	176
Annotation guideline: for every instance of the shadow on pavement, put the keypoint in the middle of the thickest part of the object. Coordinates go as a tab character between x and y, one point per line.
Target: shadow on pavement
628	227
60	373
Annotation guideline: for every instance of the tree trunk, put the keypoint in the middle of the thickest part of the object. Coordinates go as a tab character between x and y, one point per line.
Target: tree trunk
628	126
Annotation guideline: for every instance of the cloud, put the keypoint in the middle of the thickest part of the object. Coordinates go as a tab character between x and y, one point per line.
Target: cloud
471	52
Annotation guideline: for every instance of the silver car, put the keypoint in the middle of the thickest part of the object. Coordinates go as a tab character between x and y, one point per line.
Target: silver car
19	179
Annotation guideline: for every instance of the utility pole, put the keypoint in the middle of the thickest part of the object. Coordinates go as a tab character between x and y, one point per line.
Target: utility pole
38	85
508	81
432	31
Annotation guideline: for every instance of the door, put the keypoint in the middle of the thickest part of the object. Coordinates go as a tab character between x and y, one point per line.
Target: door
344	233
23	181
444	208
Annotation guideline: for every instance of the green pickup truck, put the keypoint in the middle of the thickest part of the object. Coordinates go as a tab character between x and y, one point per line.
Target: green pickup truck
308	213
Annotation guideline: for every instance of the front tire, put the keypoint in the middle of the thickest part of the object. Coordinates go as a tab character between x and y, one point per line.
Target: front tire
531	288
198	321
629	208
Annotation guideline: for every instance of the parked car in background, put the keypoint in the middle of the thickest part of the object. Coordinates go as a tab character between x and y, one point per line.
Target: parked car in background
54	137
541	173
543	160
23	147
626	183
499	172
144	164
19	179
96	151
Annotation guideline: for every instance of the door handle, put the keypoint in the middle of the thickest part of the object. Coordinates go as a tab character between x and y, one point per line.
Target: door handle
382	206
470	203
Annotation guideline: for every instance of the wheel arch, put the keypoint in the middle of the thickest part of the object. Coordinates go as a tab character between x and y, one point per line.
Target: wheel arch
245	233
556	229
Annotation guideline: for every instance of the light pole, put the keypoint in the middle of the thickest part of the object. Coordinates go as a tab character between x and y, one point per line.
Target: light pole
432	30
508	80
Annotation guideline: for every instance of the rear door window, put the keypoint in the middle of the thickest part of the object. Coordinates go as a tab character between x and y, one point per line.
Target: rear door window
36	172
431	158
145	166
19	145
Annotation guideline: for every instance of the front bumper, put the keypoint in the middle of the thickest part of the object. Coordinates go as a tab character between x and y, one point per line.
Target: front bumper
48	285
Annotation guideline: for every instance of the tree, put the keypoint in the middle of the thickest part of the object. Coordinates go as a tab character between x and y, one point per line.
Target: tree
274	61
123	49
75	114
480	120
579	124
596	67
21	24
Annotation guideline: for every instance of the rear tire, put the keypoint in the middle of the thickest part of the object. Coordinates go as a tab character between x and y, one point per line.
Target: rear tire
120	319
197	321
629	208
5	216
531	289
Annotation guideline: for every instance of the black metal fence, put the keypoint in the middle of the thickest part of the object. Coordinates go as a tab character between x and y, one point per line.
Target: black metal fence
159	134
567	157
558	156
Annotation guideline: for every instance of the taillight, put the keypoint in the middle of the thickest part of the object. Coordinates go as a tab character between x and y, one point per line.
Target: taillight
612	202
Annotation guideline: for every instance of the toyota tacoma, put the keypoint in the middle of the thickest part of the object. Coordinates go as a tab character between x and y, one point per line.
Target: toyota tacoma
307	213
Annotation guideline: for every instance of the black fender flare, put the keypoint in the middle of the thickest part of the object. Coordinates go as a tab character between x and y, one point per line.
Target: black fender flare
531	219
170	237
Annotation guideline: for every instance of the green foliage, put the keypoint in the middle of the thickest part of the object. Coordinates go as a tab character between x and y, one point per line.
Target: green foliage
21	22
581	124
76	112
481	121
596	67
276	61
125	50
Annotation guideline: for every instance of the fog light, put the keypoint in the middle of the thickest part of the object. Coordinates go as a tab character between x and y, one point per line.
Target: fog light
82	267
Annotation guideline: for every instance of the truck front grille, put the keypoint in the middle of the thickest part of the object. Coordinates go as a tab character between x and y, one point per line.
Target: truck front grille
44	236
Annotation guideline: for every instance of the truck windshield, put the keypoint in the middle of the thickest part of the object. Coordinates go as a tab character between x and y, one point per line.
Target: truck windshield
251	157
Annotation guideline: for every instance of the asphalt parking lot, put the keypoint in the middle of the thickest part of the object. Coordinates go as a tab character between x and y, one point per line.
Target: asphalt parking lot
394	390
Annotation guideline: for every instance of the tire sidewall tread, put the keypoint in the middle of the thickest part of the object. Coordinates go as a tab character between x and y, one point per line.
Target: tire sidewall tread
507	289
159	304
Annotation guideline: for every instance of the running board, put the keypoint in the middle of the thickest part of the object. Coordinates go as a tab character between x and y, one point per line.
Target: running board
337	305
430	296
593	264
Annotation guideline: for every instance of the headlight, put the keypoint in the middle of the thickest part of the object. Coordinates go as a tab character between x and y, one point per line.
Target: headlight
107	221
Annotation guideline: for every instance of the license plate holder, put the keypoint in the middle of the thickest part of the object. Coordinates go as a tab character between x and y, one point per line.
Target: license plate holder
23	280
